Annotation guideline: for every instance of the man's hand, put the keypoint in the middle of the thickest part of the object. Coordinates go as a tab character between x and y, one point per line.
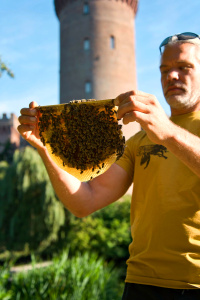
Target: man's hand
81	198
29	125
146	110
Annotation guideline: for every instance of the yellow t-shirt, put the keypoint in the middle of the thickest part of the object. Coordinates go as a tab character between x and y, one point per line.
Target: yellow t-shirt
165	213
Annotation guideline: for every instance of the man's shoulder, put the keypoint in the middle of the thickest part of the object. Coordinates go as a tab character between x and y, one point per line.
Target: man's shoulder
139	136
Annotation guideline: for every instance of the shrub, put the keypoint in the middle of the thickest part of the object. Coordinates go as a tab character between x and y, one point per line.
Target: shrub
106	232
32	219
83	277
30	214
5	294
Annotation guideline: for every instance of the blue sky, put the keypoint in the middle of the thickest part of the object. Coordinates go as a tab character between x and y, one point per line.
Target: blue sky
29	45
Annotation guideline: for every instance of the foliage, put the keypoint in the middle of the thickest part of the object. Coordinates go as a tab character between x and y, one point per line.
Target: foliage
7	153
3	168
4	282
84	277
106	232
32	219
4	68
30	214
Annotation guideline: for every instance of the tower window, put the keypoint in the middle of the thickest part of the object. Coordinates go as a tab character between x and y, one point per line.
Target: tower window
112	42
86	44
86	8
88	87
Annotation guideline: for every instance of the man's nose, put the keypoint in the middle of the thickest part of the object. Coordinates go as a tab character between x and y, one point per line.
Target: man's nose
173	75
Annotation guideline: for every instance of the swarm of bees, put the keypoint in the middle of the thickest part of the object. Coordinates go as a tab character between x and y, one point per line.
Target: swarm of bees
83	136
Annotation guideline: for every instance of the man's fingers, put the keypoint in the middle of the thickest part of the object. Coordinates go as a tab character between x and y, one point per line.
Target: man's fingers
140	93
126	96
28	112
25	130
23	119
133	105
123	96
33	104
137	116
31	111
129	117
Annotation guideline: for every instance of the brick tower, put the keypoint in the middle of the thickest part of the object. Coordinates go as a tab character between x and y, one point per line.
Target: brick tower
97	49
9	134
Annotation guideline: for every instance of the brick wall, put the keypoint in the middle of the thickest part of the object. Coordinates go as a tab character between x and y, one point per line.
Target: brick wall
110	71
8	131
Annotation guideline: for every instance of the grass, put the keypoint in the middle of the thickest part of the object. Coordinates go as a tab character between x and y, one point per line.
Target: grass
83	277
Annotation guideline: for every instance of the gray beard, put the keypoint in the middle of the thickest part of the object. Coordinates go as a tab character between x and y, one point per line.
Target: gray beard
181	101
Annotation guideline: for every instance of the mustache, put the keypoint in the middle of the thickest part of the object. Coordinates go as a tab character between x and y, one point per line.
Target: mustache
175	85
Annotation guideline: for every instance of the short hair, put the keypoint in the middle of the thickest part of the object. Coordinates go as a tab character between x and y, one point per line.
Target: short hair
195	42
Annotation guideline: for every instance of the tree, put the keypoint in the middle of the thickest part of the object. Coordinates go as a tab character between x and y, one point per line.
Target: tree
106	232
4	68
7	153
30	213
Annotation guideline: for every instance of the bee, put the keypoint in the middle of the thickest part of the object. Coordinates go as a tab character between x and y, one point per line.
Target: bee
87	137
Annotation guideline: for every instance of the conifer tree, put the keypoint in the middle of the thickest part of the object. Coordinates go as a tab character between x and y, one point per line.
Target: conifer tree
30	214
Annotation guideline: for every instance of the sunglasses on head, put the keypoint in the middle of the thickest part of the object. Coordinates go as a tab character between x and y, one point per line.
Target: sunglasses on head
181	36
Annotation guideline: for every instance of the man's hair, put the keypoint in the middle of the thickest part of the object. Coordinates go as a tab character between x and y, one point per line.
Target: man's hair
195	41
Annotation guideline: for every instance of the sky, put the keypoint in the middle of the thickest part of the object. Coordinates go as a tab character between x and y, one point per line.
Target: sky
29	45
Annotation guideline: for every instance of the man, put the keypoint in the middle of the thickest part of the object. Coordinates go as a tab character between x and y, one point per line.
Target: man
163	161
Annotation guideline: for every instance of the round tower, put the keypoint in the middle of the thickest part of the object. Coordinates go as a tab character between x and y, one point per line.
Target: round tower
97	48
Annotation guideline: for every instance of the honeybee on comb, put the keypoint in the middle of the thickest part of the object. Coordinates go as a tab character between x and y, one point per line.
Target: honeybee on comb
83	137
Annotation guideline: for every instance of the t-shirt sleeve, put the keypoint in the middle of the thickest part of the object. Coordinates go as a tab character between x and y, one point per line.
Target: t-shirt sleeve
127	160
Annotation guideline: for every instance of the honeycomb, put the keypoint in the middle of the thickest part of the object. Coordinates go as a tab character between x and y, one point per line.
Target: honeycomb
83	137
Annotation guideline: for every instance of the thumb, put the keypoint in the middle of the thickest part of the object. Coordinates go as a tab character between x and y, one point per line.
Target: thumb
33	104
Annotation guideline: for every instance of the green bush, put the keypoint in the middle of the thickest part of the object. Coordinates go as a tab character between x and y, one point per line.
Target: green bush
106	232
30	214
32	219
83	277
5	294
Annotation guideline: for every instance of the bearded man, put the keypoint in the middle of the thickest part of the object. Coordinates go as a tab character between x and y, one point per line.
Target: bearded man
163	162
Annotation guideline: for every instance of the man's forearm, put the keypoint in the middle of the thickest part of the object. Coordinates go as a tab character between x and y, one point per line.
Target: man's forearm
75	195
83	198
185	146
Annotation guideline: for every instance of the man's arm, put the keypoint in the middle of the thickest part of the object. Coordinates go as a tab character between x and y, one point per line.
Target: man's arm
81	198
185	146
146	110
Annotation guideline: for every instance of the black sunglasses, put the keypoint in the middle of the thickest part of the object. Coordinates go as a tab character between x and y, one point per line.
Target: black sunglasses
180	36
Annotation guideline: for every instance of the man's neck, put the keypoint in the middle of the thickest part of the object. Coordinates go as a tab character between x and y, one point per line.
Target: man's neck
185	110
